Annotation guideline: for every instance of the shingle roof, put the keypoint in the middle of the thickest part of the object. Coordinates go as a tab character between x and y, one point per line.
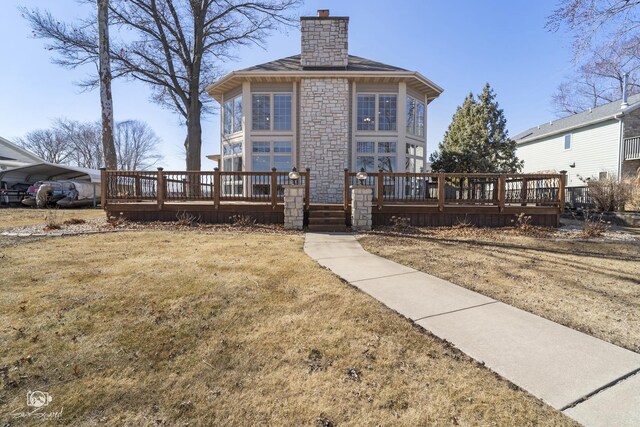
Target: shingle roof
577	120
292	63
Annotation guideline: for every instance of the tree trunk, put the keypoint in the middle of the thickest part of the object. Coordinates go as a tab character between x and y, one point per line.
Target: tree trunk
106	101
193	142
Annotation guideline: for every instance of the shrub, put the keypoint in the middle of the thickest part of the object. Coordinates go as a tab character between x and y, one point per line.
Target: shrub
242	221
74	221
52	220
593	227
186	219
401	225
609	194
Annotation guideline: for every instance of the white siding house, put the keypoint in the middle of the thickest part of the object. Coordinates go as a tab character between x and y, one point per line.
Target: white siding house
588	145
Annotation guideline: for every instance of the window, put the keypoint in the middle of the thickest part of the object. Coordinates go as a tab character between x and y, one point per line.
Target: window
415	117
366	112
567	142
414	158
267	155
387	112
261	112
268	108
282	112
232	157
232	115
372	156
387	109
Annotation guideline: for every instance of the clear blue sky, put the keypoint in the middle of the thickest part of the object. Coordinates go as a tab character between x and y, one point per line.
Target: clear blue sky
459	45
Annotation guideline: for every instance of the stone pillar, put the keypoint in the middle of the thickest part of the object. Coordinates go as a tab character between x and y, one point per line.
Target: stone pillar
293	207
361	198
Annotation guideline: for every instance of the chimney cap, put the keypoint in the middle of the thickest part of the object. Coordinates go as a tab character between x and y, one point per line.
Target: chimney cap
323	13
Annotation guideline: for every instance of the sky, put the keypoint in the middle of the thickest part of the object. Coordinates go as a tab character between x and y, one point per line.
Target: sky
458	45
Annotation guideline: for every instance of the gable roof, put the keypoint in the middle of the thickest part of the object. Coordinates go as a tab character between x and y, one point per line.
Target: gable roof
594	115
11	151
293	63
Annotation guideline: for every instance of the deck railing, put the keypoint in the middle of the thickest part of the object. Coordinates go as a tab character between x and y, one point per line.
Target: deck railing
632	148
197	186
461	189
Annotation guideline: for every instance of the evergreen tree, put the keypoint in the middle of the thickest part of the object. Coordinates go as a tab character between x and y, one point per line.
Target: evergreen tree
477	139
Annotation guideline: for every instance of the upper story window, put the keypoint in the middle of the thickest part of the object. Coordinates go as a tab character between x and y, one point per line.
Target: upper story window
232	115
415	117
271	111
567	142
387	112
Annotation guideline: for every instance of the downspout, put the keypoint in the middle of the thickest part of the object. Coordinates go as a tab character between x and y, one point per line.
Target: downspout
620	118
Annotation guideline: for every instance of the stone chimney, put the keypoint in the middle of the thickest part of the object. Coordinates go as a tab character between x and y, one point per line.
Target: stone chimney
324	41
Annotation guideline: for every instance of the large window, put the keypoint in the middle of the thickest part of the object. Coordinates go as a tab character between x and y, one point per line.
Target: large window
232	115
271	154
372	156
414	158
386	112
271	111
415	117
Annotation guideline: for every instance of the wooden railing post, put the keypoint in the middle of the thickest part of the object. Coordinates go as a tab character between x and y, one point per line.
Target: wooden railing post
307	189
138	188
274	188
523	192
502	191
380	183
160	188
347	193
217	183
441	191
104	187
561	190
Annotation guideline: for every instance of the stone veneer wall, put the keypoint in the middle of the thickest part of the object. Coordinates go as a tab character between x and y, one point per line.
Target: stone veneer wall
324	42
324	136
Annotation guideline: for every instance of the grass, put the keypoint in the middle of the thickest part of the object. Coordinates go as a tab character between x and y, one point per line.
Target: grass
591	286
21	217
169	328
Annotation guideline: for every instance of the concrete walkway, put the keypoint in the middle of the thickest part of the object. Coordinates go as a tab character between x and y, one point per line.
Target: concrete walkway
591	381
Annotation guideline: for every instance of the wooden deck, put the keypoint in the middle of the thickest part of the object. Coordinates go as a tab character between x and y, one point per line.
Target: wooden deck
487	200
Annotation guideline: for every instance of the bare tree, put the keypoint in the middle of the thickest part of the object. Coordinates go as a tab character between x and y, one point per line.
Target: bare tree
106	99
136	145
48	144
85	141
176	46
606	45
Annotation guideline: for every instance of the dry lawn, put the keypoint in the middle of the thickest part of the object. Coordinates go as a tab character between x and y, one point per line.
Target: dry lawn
20	217
592	286
168	328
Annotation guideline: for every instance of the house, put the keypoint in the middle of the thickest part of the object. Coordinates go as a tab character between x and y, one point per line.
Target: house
325	110
593	144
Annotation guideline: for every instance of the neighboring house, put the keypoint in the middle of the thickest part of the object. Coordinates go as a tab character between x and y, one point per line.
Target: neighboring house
323	109
589	145
12	155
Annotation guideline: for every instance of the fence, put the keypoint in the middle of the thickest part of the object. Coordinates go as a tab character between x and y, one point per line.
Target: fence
461	189
120	187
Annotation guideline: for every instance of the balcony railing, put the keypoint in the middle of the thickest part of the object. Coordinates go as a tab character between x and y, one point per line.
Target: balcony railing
632	148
